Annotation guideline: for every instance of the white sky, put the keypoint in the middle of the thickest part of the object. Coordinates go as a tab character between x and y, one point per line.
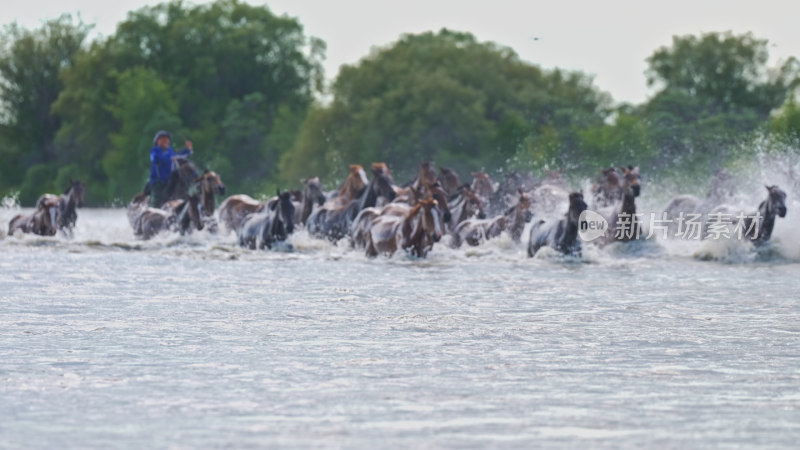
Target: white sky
608	39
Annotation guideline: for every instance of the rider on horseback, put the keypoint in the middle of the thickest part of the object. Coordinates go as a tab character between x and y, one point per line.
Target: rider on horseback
163	159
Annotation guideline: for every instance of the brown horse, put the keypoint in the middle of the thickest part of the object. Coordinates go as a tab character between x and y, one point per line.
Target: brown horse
43	221
607	189
624	210
416	232
209	184
450	181
352	187
482	185
426	175
474	231
235	208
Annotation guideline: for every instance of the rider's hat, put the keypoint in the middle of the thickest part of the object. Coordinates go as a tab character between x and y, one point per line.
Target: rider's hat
161	133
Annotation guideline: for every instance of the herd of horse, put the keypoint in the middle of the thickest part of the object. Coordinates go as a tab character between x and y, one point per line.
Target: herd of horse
379	217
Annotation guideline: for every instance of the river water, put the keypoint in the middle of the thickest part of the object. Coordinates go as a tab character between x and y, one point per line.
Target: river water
187	342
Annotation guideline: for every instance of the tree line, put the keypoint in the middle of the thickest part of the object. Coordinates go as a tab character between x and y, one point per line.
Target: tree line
247	87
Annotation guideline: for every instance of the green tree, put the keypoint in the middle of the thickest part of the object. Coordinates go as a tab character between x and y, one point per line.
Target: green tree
213	58
787	122
442	96
31	62
142	106
712	90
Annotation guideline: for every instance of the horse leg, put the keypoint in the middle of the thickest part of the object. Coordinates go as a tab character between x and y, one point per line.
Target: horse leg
371	251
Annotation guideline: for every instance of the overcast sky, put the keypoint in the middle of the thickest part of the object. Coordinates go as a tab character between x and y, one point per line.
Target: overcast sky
608	39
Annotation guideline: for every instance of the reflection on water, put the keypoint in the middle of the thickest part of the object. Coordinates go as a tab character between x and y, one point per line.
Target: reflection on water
192	342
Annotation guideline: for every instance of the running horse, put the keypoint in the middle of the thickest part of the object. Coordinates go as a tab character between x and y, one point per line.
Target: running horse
475	231
188	188
415	232
334	219
43	221
312	194
236	208
624	210
450	181
274	224
774	205
66	203
145	220
607	189
71	199
561	235
465	205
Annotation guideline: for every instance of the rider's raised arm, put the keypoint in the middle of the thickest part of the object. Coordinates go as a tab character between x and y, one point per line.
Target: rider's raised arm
187	151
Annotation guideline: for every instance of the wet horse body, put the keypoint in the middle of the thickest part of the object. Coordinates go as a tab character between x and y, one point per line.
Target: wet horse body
682	207
71	199
312	195
145	220
274	224
561	235
43	221
620	214
334	219
236	208
415	232
477	230
774	205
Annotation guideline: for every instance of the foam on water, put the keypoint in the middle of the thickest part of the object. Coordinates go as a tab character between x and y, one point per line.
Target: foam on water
192	341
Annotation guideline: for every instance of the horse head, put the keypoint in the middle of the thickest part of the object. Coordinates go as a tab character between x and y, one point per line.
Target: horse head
354	184
382	167
382	185
209	183
312	190
776	201
427	174
450	180
76	190
46	216
576	206
422	227
473	205
482	184
436	192
523	207
632	180
283	209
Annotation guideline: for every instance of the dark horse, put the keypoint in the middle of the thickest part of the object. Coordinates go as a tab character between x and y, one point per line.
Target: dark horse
623	224
774	205
147	221
561	235
71	199
333	221
274	224
188	188
312	195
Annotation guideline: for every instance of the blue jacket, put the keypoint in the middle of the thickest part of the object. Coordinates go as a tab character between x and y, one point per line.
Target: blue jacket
161	163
